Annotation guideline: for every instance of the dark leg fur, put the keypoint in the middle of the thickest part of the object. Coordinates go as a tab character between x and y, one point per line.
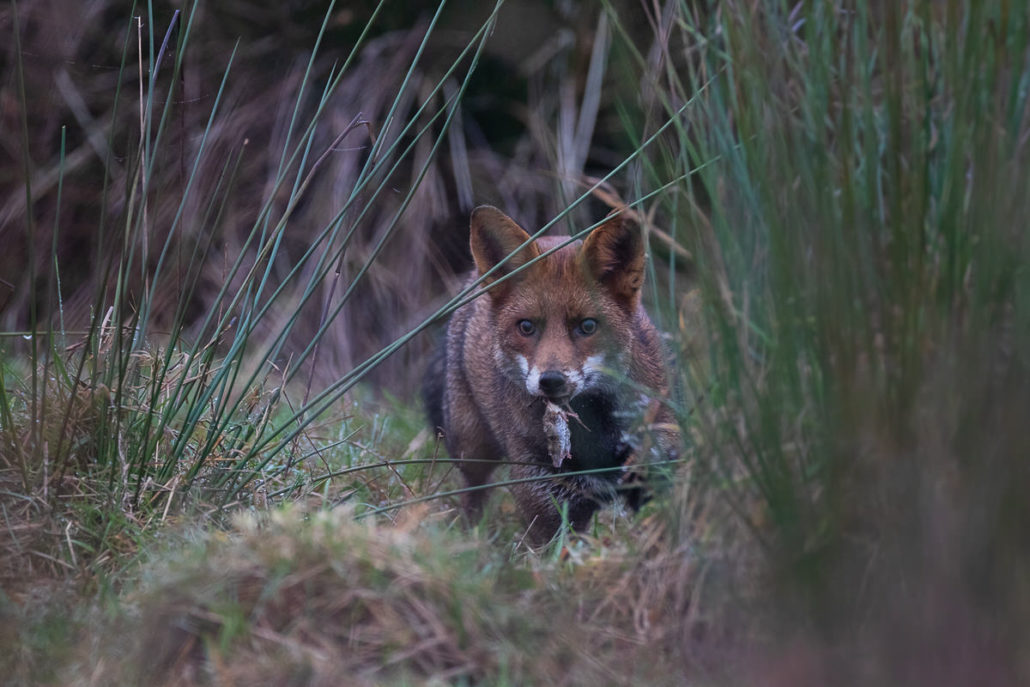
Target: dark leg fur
541	501
472	502
433	383
598	441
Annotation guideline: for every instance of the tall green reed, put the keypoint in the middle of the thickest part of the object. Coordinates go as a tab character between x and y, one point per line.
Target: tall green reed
859	227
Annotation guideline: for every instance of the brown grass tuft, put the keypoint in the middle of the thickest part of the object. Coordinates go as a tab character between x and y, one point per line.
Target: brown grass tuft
322	596
298	598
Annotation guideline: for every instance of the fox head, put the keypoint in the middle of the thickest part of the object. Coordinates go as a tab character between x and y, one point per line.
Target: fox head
565	320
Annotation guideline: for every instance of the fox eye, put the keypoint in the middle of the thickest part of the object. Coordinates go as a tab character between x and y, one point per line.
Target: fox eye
588	326
526	328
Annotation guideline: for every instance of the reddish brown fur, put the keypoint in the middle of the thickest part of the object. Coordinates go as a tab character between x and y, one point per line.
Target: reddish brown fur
491	404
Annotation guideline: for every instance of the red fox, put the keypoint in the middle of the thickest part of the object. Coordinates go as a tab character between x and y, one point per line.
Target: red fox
550	370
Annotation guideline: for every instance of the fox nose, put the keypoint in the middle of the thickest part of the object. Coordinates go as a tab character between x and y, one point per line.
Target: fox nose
552	384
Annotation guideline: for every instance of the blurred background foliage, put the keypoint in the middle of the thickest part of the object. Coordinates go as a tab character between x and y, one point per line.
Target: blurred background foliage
524	137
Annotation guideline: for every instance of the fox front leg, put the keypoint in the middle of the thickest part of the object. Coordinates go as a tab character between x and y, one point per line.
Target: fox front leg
545	499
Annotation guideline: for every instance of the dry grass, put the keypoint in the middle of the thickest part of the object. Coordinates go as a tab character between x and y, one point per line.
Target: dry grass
497	151
304	599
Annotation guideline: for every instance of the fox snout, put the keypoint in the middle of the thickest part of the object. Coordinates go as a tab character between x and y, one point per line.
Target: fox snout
558	383
553	385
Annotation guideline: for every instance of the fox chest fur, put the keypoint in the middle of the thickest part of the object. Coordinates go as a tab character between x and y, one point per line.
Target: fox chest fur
564	340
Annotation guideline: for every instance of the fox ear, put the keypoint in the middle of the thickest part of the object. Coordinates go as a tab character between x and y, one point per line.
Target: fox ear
614	255
494	237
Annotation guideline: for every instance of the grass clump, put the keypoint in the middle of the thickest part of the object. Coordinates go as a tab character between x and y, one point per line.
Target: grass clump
295	598
323	596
